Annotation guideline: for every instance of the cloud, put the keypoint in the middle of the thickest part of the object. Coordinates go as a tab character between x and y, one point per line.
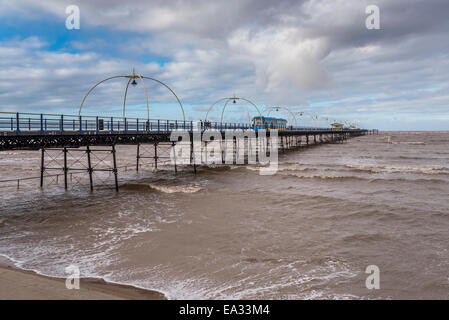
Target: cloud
313	55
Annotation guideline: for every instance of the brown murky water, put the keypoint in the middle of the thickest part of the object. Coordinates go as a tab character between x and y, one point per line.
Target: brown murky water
307	232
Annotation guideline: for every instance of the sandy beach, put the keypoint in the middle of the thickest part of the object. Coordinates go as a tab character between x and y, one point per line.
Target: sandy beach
17	284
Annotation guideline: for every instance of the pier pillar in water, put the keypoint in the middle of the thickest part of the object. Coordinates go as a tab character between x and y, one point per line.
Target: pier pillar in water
137	156
174	156
89	169
192	155
42	167
114	159
155	155
65	168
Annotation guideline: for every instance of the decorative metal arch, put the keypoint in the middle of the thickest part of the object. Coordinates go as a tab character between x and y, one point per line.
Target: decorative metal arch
226	103
133	77
269	109
312	116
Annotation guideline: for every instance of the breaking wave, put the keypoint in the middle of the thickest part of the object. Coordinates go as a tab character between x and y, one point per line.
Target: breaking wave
342	178
164	189
323	177
397	168
410	142
175	189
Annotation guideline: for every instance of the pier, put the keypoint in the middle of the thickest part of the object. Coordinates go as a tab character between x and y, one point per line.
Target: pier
90	135
90	138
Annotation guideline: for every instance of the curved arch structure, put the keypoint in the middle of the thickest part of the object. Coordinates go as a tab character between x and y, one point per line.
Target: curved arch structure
313	117
133	77
269	109
226	103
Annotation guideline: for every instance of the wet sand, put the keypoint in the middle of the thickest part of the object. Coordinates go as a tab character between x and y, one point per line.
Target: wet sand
17	284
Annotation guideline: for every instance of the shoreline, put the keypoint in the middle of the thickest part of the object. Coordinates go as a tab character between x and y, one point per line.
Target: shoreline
20	284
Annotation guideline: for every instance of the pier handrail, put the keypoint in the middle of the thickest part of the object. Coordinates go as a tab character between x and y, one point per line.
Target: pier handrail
48	123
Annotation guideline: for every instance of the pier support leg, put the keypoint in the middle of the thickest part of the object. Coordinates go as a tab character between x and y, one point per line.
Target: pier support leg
174	156
65	168
192	155
235	150
42	166
222	144
138	157
155	155
89	169
114	158
282	144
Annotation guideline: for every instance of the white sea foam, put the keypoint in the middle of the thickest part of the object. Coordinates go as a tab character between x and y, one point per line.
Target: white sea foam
174	189
397	168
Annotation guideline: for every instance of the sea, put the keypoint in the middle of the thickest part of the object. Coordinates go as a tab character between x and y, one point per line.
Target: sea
310	231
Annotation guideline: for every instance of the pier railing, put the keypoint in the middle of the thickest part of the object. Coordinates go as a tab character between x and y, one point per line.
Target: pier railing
16	123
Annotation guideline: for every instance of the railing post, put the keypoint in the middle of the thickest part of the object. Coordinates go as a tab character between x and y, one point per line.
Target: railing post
112	125
126	125
176	124
81	125
42	124
17	124
191	125
97	129
158	126
137	123
61	125
167	126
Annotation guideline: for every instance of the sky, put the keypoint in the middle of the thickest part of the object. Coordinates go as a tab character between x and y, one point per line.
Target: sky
313	56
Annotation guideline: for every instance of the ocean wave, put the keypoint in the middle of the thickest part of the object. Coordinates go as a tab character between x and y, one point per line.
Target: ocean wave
397	168
409	180
409	142
175	189
295	169
253	168
359	237
342	178
324	177
160	188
